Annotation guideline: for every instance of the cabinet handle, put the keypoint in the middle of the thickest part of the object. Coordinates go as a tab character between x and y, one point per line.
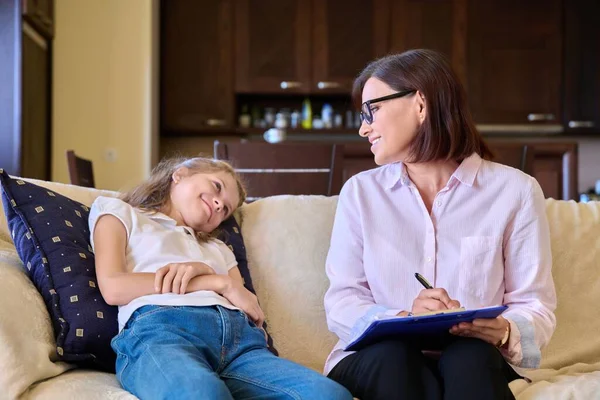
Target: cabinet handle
290	84
540	117
581	124
328	85
216	122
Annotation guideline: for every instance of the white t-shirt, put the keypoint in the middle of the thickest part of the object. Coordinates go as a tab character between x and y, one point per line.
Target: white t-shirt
153	241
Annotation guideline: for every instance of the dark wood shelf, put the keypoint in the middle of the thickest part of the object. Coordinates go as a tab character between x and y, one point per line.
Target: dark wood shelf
250	131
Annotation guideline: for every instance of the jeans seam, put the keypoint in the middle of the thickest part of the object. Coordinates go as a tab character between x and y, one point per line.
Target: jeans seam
294	395
151	355
223	338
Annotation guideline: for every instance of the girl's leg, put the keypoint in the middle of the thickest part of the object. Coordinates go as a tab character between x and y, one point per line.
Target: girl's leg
258	374
474	369
251	371
159	355
389	370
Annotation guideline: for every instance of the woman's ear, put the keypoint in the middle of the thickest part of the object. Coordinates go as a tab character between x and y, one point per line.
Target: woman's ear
421	107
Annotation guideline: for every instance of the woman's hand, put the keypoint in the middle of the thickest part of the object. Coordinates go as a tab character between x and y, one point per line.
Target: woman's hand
433	300
490	330
242	298
175	277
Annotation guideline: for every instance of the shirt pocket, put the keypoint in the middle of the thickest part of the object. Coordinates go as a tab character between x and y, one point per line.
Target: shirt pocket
481	267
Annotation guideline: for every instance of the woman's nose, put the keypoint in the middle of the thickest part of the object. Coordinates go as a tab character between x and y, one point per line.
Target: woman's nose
364	129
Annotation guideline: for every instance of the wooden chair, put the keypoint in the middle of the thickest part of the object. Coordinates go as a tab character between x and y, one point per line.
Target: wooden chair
515	155
80	170
285	168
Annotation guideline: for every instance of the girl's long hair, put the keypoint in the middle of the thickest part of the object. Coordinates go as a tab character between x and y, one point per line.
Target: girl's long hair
153	194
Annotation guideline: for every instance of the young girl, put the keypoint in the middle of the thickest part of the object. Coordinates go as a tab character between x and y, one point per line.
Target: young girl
188	327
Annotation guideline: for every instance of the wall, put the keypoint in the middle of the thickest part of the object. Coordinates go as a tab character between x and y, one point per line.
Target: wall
104	88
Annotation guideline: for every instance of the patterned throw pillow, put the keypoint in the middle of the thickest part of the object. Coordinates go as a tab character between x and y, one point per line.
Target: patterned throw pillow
50	232
232	236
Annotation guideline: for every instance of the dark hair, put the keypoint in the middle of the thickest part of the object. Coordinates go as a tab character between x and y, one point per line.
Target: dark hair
448	131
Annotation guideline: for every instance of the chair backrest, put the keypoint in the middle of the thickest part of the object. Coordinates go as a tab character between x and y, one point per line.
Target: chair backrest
514	155
285	168
81	172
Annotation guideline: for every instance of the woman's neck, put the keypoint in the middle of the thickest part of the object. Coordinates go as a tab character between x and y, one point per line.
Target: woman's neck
431	177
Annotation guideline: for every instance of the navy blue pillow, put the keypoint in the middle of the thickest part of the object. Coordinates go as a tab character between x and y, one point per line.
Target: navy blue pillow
232	236
50	232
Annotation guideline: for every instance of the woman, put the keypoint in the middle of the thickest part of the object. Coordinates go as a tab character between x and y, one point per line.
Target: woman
475	229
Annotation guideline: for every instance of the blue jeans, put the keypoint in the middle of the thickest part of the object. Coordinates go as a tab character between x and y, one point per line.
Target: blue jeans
209	353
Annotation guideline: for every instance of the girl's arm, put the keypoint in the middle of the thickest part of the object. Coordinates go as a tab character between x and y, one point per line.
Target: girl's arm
118	287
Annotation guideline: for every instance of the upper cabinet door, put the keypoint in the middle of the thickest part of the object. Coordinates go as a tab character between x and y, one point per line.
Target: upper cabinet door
196	86
272	46
425	24
514	61
347	34
582	66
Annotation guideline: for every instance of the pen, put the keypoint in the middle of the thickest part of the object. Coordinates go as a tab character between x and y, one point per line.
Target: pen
423	281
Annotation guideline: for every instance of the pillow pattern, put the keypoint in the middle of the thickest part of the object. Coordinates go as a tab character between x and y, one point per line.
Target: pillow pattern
232	236
50	233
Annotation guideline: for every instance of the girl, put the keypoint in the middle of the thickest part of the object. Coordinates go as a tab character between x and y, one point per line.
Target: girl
475	229
188	327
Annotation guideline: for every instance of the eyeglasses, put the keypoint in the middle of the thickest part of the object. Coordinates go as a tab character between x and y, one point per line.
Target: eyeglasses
365	110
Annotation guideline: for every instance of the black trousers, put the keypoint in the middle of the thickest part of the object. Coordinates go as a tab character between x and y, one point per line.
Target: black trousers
467	369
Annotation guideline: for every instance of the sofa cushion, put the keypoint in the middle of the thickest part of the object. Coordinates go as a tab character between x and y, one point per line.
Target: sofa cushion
232	236
50	233
287	239
575	240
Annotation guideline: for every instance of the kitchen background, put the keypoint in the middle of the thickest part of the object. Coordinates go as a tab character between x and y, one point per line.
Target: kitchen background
128	82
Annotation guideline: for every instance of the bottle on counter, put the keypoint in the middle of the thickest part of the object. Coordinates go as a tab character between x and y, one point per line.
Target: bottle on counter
306	114
294	119
327	116
245	120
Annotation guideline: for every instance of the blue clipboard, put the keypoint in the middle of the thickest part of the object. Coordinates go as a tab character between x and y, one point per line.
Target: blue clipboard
418	326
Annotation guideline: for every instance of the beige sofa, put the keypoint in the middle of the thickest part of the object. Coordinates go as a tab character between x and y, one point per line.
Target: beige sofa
287	239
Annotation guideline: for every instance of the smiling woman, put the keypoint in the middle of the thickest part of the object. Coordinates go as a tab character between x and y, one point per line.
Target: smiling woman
426	210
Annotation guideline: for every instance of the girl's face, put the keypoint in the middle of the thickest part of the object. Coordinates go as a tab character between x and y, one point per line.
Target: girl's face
202	200
395	122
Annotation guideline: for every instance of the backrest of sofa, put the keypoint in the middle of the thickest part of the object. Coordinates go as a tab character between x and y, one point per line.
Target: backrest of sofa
575	234
287	239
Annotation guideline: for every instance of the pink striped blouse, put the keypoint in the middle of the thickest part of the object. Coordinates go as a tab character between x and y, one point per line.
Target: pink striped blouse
486	242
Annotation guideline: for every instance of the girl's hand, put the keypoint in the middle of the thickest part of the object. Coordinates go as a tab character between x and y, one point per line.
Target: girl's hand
242	298
490	330
175	277
433	300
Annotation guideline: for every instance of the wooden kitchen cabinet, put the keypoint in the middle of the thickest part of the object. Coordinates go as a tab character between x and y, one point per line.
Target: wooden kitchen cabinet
514	61
302	46
347	34
196	64
582	66
272	46
431	24
554	164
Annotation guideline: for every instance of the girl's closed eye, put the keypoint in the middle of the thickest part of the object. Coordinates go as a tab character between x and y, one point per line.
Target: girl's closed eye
218	186
374	109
